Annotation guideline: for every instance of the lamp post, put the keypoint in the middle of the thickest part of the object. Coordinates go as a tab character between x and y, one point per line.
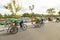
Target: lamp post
31	8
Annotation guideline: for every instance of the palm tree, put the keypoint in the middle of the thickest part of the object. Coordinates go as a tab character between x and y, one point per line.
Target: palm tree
51	11
12	5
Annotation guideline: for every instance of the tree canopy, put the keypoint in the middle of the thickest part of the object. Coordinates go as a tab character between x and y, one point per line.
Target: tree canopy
51	11
9	6
59	12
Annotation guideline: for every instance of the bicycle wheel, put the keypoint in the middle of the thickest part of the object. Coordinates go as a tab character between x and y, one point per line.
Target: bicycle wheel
24	27
13	30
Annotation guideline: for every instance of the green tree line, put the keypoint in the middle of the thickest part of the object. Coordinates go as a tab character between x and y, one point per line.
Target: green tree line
26	15
9	16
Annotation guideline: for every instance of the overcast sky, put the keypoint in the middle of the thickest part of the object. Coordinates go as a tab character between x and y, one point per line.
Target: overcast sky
40	6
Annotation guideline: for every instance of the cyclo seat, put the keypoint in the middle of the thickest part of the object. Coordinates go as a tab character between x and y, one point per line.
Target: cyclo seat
37	22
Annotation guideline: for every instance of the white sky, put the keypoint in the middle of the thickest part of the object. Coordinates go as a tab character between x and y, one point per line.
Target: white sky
40	6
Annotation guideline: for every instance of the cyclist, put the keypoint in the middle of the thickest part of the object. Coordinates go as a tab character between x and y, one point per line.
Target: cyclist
22	19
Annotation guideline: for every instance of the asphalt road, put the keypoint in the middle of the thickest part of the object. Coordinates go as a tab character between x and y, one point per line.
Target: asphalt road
50	31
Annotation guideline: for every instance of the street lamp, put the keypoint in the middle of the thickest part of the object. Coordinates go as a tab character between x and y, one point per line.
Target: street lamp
31	8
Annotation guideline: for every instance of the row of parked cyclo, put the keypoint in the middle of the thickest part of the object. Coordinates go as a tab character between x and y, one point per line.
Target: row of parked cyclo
12	25
51	19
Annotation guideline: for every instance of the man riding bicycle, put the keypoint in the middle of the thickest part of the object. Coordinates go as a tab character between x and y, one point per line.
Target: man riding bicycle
22	19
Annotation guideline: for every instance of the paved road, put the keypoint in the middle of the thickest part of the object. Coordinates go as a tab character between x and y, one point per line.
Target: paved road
50	31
